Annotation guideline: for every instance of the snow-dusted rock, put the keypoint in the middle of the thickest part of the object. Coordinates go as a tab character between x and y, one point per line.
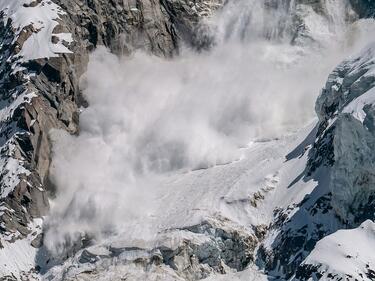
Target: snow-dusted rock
365	8
345	110
341	161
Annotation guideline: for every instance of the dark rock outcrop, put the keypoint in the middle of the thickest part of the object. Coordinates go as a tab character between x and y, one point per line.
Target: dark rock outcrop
365	8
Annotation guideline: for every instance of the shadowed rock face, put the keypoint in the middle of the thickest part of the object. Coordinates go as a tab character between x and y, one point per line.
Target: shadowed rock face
365	8
122	26
119	25
343	152
349	135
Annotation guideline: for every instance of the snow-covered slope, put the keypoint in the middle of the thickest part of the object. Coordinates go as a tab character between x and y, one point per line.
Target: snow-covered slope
281	208
218	215
36	22
345	254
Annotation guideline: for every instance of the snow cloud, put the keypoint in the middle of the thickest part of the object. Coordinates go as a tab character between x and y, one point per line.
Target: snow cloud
149	116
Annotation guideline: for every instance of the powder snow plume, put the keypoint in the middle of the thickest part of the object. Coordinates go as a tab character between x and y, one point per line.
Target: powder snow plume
150	116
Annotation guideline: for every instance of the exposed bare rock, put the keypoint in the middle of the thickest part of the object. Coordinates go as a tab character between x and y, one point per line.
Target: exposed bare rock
365	8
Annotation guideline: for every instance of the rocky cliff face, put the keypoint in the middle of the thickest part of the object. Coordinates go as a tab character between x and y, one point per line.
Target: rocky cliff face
345	112
364	8
40	88
40	91
341	161
37	96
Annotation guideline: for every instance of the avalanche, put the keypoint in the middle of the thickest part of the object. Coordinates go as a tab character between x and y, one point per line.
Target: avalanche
210	165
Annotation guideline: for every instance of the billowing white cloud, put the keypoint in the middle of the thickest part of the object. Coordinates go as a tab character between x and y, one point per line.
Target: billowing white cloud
149	116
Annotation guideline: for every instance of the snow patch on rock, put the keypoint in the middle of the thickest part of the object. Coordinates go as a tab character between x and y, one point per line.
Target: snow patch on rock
17	258
42	16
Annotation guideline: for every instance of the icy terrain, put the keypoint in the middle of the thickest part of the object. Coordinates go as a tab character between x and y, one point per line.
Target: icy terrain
211	165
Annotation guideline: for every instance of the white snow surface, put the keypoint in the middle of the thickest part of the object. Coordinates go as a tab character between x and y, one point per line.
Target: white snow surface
12	168
346	252
44	18
355	107
8	108
365	60
17	257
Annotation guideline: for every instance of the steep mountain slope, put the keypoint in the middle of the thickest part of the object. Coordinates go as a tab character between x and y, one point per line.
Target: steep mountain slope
335	257
203	222
261	215
344	109
44	53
